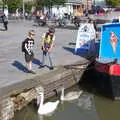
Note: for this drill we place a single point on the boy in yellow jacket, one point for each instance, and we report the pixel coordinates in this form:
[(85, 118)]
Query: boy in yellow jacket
[(47, 45)]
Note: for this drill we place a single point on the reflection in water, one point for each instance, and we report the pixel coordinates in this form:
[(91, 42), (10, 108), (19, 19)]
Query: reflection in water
[(82, 108), (107, 109), (70, 95), (86, 102), (72, 111), (87, 107)]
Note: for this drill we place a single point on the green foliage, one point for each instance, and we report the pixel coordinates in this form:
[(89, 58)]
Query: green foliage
[(58, 2), (39, 3), (48, 3), (13, 5), (28, 6), (113, 3), (4, 1)]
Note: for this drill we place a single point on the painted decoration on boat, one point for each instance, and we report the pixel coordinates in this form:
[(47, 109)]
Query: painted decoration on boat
[(85, 35), (110, 41)]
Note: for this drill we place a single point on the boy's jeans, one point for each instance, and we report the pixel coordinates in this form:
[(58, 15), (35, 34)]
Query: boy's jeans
[(45, 53)]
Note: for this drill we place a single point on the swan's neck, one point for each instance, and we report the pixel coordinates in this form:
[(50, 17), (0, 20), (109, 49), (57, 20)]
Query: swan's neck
[(62, 94), (41, 99)]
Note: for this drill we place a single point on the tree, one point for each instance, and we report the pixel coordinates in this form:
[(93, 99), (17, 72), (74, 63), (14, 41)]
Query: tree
[(4, 2), (113, 3), (28, 6), (13, 5), (39, 3), (48, 3)]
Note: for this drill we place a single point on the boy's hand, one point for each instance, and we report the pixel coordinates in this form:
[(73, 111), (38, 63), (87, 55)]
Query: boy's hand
[(42, 48), (49, 50)]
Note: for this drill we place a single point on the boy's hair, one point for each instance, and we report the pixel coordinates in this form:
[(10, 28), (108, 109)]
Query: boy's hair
[(31, 32), (51, 30)]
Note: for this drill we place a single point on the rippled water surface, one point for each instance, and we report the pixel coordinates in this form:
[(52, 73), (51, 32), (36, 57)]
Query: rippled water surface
[(80, 109), (87, 107)]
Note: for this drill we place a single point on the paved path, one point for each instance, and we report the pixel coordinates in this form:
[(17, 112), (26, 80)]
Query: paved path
[(12, 59)]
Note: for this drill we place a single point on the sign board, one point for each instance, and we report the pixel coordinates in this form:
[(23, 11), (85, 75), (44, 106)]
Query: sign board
[(110, 41), (86, 33)]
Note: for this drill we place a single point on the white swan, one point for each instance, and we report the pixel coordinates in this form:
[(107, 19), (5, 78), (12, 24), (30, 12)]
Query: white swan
[(70, 96), (48, 107)]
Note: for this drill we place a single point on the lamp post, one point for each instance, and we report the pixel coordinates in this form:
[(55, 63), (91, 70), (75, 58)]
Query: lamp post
[(3, 5), (23, 7), (109, 3), (87, 4)]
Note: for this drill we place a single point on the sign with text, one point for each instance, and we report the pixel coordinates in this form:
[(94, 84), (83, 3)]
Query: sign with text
[(110, 41), (86, 33)]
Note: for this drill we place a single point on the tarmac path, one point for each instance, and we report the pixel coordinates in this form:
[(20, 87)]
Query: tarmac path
[(12, 59)]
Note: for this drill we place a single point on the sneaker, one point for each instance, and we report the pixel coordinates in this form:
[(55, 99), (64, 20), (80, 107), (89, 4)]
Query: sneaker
[(41, 66), (30, 71), (51, 68)]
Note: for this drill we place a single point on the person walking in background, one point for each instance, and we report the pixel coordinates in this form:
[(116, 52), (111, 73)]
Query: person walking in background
[(5, 21), (86, 12), (47, 45), (27, 48)]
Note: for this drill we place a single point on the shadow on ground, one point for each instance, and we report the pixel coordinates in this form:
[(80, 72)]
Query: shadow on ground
[(36, 61), (39, 63), (19, 66), (83, 53), (87, 55), (22, 68), (69, 27), (2, 30)]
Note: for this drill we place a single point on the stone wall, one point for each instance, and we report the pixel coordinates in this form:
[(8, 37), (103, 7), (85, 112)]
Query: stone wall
[(6, 109), (64, 77)]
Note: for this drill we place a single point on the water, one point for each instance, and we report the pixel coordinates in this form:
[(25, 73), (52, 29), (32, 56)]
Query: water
[(87, 107), (82, 108), (107, 109)]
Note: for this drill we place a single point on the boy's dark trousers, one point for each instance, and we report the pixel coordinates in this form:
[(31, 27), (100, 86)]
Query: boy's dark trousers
[(5, 25)]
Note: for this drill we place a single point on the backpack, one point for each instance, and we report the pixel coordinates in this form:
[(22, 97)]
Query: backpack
[(23, 46)]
